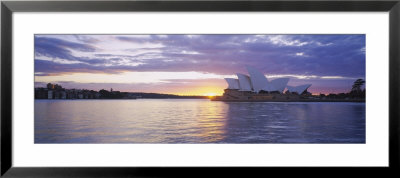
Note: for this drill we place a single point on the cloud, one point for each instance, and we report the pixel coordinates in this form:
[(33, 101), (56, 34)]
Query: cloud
[(320, 55)]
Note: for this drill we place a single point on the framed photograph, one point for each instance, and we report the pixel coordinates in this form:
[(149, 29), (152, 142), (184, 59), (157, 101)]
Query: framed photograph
[(142, 88)]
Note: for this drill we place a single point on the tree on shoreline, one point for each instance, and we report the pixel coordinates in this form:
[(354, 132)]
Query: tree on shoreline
[(356, 89)]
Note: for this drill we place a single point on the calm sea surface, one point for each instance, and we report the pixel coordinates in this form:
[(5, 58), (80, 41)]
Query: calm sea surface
[(197, 121)]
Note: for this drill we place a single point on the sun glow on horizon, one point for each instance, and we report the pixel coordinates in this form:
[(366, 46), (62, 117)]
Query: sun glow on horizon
[(209, 94)]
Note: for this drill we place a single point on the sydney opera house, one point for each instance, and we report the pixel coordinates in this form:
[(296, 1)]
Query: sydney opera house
[(256, 87)]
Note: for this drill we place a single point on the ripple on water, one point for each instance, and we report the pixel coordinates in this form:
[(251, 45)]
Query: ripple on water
[(197, 121)]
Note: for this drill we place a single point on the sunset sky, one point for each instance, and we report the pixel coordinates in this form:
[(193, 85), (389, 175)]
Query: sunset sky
[(196, 64)]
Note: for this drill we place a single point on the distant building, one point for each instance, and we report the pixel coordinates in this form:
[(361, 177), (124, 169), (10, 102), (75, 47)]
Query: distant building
[(41, 93), (50, 94), (63, 95), (55, 91), (56, 95)]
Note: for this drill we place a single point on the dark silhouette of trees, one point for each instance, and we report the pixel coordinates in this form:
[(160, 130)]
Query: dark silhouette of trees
[(356, 91), (357, 85), (104, 94)]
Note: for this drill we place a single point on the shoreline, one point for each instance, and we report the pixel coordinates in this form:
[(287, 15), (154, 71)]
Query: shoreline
[(289, 101), (222, 100), (118, 98)]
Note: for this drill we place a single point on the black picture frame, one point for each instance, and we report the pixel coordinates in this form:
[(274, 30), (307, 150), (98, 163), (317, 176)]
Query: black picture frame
[(8, 7)]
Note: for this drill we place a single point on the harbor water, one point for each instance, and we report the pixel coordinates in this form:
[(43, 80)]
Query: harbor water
[(197, 121)]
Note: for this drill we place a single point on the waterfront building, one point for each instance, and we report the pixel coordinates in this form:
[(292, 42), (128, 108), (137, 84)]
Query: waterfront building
[(63, 95), (56, 94), (257, 82), (50, 94), (97, 95), (257, 87), (41, 93), (55, 91), (261, 83)]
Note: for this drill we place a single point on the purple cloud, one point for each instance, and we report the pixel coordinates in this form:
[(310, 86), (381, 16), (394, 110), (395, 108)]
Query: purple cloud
[(223, 54), (319, 55)]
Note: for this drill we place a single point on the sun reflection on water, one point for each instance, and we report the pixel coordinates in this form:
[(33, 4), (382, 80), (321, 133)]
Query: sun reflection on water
[(196, 121), (130, 121), (212, 121)]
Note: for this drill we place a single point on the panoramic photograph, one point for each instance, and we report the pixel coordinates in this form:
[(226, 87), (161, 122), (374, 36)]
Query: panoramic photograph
[(200, 88)]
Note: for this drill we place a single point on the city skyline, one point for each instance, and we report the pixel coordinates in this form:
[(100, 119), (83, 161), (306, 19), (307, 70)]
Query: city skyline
[(196, 64)]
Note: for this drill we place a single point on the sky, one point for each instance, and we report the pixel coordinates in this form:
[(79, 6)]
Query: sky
[(197, 64)]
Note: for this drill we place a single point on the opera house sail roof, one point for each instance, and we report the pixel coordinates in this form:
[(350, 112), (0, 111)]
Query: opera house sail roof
[(244, 82), (298, 89), (232, 83), (278, 84), (256, 82), (258, 79)]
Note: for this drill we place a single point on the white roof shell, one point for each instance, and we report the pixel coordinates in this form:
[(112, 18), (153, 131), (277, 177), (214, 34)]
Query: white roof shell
[(258, 79), (278, 84), (298, 89), (244, 82), (232, 83), (260, 82)]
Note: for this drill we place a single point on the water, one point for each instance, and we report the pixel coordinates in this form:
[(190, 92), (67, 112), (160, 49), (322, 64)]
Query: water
[(197, 121)]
